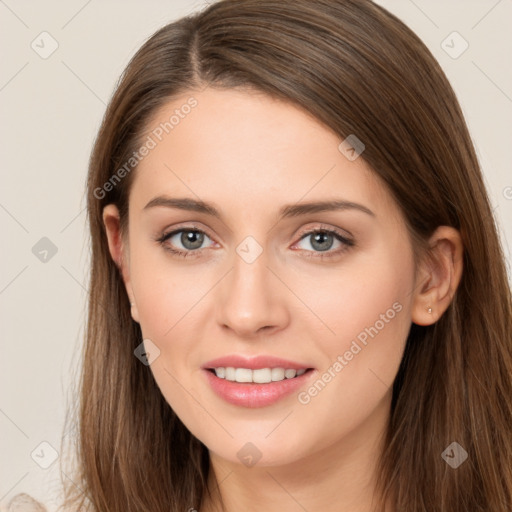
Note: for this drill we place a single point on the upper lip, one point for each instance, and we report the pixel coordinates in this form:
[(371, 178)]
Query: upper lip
[(254, 363)]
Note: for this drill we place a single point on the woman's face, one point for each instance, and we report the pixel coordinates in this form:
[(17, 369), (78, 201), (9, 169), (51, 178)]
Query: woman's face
[(257, 283)]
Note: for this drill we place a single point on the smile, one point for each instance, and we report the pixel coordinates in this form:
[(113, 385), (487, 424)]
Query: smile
[(259, 376)]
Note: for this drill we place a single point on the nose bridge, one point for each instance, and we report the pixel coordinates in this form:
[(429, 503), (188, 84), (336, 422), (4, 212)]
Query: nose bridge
[(251, 298)]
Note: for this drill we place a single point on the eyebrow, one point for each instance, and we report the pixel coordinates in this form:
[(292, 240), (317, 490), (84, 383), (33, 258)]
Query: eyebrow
[(287, 211)]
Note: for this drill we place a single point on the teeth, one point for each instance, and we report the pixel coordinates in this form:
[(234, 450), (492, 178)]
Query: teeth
[(277, 374), (260, 376), (230, 374), (289, 374), (243, 375)]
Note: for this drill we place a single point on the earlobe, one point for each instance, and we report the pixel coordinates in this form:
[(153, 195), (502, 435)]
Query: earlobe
[(134, 312), (440, 275)]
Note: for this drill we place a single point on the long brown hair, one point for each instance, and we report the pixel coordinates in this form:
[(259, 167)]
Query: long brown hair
[(359, 70)]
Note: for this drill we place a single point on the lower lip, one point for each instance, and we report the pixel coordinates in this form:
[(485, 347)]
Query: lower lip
[(247, 394)]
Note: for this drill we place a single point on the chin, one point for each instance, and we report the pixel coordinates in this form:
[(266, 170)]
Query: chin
[(259, 451)]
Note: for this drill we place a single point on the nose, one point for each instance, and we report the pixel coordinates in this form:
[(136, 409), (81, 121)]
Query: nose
[(252, 300)]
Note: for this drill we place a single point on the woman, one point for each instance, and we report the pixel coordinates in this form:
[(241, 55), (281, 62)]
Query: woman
[(298, 299)]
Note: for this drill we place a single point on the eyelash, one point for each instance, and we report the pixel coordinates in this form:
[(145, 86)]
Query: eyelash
[(347, 243)]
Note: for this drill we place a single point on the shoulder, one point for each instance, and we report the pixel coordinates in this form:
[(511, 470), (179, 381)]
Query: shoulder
[(23, 503)]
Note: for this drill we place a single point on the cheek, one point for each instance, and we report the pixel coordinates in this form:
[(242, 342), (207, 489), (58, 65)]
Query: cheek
[(165, 291), (367, 310), (364, 301), (166, 301)]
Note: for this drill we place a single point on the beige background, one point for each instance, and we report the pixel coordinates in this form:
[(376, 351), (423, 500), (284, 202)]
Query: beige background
[(51, 109)]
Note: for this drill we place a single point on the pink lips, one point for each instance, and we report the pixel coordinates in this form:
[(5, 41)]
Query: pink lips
[(249, 394)]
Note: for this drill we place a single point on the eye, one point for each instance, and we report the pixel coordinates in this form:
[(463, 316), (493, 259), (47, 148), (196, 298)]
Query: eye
[(184, 242), (322, 240)]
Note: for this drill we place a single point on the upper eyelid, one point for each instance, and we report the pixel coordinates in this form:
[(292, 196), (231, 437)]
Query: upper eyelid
[(323, 227), (167, 234)]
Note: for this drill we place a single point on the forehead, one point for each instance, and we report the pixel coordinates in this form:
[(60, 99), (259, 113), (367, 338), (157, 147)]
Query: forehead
[(248, 151)]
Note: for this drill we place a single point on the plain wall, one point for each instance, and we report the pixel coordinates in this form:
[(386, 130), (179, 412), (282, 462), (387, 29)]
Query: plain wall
[(51, 109)]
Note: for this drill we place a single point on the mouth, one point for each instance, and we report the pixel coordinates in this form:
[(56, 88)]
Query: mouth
[(254, 388)]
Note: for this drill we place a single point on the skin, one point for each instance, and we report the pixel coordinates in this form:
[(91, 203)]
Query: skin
[(250, 154)]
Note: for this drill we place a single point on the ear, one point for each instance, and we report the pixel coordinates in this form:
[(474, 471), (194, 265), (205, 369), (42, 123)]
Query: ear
[(438, 276), (119, 251)]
